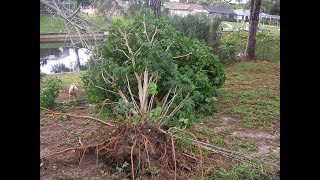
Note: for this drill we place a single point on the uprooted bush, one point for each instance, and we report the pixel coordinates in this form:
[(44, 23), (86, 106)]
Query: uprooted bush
[(154, 72)]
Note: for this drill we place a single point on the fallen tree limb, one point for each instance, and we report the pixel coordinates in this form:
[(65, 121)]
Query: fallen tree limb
[(66, 150), (219, 149), (226, 152), (80, 117), (222, 151)]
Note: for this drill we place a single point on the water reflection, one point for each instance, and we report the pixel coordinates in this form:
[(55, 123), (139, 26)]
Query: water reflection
[(63, 59)]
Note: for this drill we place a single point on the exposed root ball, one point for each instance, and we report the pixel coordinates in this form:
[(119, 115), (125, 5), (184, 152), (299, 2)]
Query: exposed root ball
[(146, 148)]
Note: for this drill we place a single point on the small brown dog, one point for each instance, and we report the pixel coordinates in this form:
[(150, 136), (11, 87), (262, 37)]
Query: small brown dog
[(73, 91)]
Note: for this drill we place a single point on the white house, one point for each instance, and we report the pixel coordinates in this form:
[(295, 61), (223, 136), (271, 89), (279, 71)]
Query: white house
[(242, 15), (183, 9), (269, 19)]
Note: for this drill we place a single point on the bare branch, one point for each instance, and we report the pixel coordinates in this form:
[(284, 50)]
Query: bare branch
[(74, 13), (181, 56), (150, 102), (103, 88), (132, 98), (59, 12), (105, 79), (144, 104), (165, 109), (139, 87), (80, 117), (154, 34), (145, 28), (179, 106), (117, 49), (169, 46), (125, 100)]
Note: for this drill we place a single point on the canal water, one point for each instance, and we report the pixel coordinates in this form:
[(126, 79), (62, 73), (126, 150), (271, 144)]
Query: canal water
[(62, 58)]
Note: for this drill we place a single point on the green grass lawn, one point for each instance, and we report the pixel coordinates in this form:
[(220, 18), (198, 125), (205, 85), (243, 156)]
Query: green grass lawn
[(235, 24), (55, 24), (273, 29), (68, 78), (50, 24), (251, 98), (53, 45), (98, 22), (251, 94), (224, 25)]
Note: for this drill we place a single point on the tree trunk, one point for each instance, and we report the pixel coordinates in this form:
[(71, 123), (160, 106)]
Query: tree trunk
[(156, 7), (253, 24), (78, 59)]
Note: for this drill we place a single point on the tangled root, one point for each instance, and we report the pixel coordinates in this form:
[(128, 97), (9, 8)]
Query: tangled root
[(142, 147)]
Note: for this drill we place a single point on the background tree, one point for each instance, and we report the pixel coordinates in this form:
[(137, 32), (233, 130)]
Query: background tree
[(253, 24), (155, 5), (203, 2), (270, 7), (275, 8)]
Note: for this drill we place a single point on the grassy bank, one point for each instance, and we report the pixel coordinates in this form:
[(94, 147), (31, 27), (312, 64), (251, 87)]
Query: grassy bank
[(55, 24), (50, 24)]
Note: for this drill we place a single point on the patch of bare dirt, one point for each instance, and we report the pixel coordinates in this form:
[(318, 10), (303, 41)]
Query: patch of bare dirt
[(255, 135), (266, 143), (266, 149), (59, 132), (227, 123), (227, 120)]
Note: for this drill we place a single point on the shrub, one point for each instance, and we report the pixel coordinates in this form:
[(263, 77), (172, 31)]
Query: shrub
[(50, 91), (199, 26), (233, 46), (268, 47), (146, 47)]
